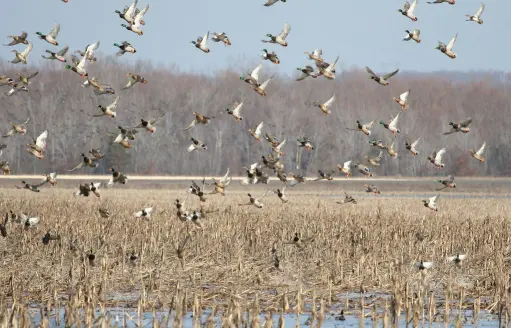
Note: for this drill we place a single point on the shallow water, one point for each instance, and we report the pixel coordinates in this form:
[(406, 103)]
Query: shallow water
[(127, 317)]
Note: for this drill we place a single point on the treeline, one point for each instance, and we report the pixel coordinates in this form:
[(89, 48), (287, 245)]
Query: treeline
[(57, 102)]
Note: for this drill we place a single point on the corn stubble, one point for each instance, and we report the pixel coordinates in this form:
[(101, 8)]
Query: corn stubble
[(242, 266)]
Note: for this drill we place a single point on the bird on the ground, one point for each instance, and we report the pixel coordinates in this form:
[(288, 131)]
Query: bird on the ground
[(144, 213), (423, 265)]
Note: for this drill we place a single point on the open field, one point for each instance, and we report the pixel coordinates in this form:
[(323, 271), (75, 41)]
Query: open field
[(227, 264)]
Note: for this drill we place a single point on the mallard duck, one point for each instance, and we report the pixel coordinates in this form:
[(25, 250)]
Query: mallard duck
[(96, 153), (447, 49), (135, 27), (117, 177), (403, 99), (436, 158), (345, 168), (281, 194), (315, 55), (325, 176), (281, 38), (304, 142), (256, 133), (325, 107), (272, 2), (236, 112), (329, 71), (108, 110), (22, 57), (297, 179), (195, 189), (4, 166), (253, 78), (392, 126), (104, 89), (299, 242), (281, 175), (460, 127), (447, 183), (38, 146), (89, 52), (51, 178), (260, 89), (391, 151), (412, 146), (51, 37), (372, 188), (383, 80), (451, 2), (134, 79), (479, 154), (202, 43), (122, 140), (378, 143), (477, 16), (128, 132), (271, 56), (271, 139), (408, 10), (104, 212), (366, 171), (255, 201), (306, 72), (431, 203), (423, 265), (27, 221), (457, 259), (16, 39), (199, 119), (31, 187), (375, 161), (78, 66), (221, 37), (125, 47), (365, 128), (86, 161), (347, 199), (60, 56), (128, 13), (144, 213), (86, 189), (415, 35), (221, 184), (15, 89), (196, 145), (149, 125), (278, 148), (5, 80), (91, 81)]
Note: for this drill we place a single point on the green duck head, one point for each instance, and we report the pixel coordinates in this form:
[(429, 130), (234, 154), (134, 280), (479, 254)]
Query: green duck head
[(124, 25), (48, 51), (451, 123), (68, 66), (117, 12), (381, 122), (39, 33), (269, 35), (116, 44)]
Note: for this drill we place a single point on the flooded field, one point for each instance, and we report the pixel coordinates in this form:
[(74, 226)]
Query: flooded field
[(242, 266)]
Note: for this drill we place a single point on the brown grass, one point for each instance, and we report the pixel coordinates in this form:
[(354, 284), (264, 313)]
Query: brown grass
[(368, 247)]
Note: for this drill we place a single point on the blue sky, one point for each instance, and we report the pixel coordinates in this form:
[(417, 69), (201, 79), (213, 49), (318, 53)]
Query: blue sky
[(361, 32)]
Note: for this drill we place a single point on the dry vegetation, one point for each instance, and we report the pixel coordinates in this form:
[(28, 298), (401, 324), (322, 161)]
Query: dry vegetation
[(228, 264), (57, 102)]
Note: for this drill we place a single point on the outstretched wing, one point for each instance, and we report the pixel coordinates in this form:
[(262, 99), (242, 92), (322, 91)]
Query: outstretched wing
[(404, 96), (255, 72), (370, 71), (236, 111), (414, 144), (27, 50), (467, 122), (259, 129), (191, 125), (393, 123), (438, 157), (41, 140), (330, 101), (64, 51), (391, 74), (204, 41), (451, 43), (55, 31), (481, 150), (285, 32), (480, 11), (79, 166)]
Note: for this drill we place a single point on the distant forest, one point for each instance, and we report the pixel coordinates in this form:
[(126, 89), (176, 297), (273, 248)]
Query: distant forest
[(57, 102)]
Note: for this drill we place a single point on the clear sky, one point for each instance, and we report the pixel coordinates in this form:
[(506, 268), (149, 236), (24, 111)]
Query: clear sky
[(361, 32)]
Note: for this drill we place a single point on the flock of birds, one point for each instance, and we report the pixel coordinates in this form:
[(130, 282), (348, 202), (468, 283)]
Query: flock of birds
[(256, 173)]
